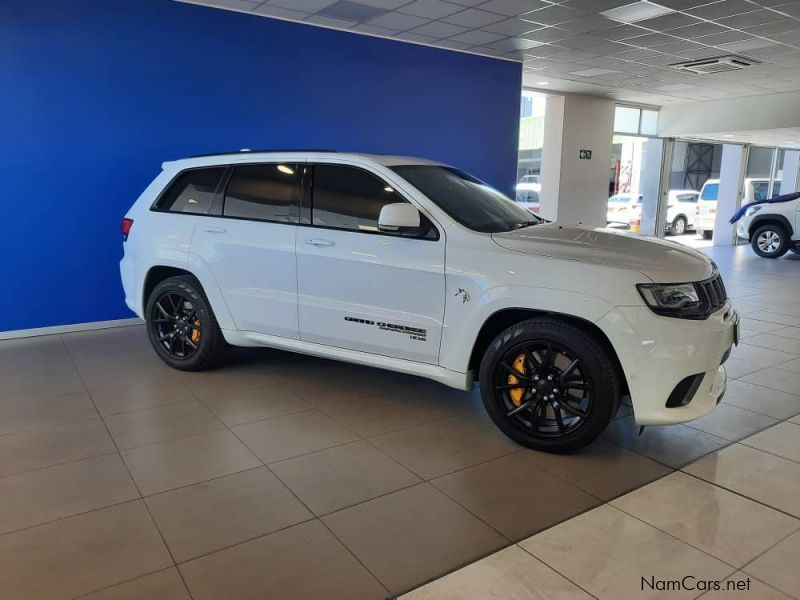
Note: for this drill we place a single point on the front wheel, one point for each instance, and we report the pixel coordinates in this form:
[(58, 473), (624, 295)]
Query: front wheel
[(182, 327), (770, 241), (549, 385)]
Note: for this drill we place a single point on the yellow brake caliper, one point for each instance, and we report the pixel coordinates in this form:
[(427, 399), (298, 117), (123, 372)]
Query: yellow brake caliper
[(516, 393), (196, 332)]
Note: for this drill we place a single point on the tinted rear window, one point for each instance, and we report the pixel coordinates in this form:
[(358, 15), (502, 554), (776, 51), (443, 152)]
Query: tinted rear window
[(266, 192), (710, 191), (191, 191)]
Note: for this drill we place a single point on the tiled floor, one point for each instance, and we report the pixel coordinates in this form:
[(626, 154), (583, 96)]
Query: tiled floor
[(282, 476)]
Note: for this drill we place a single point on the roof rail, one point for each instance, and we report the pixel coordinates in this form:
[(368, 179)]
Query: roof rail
[(250, 151)]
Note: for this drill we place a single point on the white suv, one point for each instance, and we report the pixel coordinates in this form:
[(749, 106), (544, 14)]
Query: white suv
[(772, 228), (417, 267)]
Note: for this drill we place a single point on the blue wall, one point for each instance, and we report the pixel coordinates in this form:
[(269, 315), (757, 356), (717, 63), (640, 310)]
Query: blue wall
[(96, 94)]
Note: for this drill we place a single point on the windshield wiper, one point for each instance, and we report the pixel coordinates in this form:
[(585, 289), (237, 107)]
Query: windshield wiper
[(524, 224)]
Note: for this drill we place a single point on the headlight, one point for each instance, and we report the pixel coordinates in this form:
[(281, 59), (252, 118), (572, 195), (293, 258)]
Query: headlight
[(670, 297), (752, 210)]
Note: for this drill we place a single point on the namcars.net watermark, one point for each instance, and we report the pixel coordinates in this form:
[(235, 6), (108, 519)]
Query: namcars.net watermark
[(692, 583)]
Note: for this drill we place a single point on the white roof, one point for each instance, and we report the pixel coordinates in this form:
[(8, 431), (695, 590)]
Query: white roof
[(296, 155)]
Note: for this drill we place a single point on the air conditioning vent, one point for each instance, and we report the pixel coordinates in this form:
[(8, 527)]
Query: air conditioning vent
[(720, 64)]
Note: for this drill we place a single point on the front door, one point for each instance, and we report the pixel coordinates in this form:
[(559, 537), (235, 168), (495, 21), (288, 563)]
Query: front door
[(250, 247), (362, 289)]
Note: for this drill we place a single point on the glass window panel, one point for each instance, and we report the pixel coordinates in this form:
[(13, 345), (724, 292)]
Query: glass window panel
[(626, 119), (649, 122)]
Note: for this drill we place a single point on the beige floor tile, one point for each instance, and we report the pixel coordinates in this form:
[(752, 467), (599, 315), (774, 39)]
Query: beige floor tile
[(441, 447), (778, 567), (782, 439), (741, 586), (339, 477), (374, 416), (246, 406), (673, 445), (208, 516), (795, 419), (792, 365), (731, 422), (603, 469), (775, 317), (775, 342), (788, 332), (610, 554), (304, 562), (48, 446), (515, 495), (30, 384), (149, 392), (411, 536), (777, 379), (80, 554), (758, 357), (229, 381), (161, 585), (169, 465), (721, 523), (293, 435), (764, 400), (758, 326), (54, 492), (737, 367), (511, 574), (24, 414), (766, 478), (160, 424), (447, 401)]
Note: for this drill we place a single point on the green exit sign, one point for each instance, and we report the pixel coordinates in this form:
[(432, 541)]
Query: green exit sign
[(585, 154)]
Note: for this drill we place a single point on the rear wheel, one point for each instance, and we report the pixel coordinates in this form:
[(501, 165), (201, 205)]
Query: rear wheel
[(678, 226), (770, 241), (549, 385), (182, 327)]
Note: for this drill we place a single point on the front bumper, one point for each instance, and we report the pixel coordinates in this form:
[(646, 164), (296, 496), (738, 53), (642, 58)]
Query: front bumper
[(657, 353)]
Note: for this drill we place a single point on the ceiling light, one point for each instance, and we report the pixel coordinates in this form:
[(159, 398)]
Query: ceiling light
[(727, 135), (389, 189), (542, 83), (792, 143), (285, 169), (637, 11)]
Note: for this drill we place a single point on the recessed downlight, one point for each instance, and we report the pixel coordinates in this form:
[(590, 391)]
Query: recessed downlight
[(542, 83), (285, 169)]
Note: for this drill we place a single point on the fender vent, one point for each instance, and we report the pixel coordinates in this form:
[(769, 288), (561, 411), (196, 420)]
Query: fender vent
[(720, 64)]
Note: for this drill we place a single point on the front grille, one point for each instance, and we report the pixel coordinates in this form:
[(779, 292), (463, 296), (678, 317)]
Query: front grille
[(713, 292)]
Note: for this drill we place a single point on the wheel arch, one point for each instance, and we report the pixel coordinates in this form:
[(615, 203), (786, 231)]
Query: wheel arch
[(506, 317), (773, 219)]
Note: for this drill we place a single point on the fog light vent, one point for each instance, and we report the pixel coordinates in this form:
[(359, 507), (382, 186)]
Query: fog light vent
[(684, 391)]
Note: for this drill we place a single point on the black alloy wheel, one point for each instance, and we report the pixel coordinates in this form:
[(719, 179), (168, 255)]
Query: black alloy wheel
[(182, 327), (549, 384)]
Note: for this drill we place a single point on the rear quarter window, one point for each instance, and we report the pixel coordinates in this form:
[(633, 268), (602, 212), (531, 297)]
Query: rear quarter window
[(191, 191)]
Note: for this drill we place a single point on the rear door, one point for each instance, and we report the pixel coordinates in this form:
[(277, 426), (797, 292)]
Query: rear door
[(249, 246), (360, 288)]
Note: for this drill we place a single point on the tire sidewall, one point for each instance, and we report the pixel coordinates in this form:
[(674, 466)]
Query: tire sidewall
[(594, 358), (675, 226)]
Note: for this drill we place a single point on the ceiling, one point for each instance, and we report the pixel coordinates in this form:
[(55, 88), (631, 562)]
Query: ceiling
[(787, 137), (618, 48)]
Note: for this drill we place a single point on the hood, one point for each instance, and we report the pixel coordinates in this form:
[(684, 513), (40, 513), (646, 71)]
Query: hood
[(660, 260)]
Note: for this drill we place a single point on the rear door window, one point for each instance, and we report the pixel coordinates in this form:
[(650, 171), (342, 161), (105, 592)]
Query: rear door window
[(265, 192), (191, 192)]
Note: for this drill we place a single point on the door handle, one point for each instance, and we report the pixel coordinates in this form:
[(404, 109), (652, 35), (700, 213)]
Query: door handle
[(320, 242), (213, 229)]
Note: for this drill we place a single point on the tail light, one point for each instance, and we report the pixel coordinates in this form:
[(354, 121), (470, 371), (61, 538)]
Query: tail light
[(125, 228)]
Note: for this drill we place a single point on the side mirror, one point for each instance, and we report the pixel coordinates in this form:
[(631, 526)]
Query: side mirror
[(399, 216)]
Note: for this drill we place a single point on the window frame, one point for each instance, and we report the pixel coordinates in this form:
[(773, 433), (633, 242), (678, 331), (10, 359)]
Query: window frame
[(218, 205), (168, 187), (307, 206)]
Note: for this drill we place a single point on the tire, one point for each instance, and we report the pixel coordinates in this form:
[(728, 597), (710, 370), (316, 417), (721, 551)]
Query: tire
[(182, 327), (678, 226), (770, 241), (576, 362)]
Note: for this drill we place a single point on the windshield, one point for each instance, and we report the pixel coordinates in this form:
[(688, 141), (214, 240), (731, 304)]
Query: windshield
[(468, 200), (710, 191)]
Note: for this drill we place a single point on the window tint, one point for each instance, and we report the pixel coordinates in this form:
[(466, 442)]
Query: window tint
[(192, 191), (710, 191), (349, 198), (686, 197), (269, 192)]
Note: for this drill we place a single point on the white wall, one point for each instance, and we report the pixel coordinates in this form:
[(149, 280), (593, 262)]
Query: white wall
[(730, 190), (776, 111), (575, 190)]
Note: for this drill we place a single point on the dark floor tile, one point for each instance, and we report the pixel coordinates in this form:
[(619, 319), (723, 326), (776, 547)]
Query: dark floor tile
[(304, 562), (413, 535), (339, 477), (162, 585), (515, 495)]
